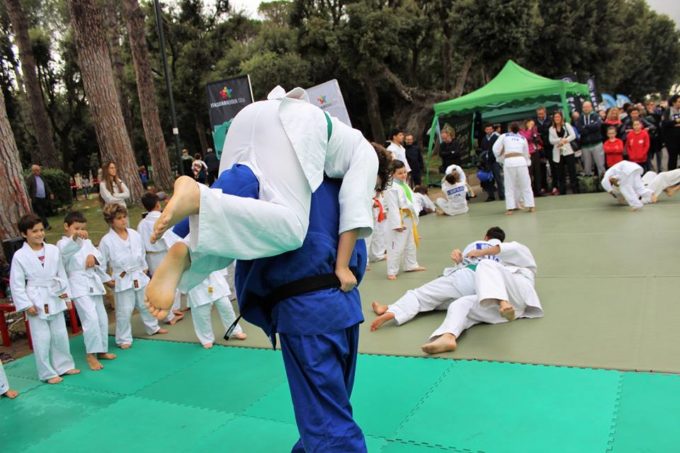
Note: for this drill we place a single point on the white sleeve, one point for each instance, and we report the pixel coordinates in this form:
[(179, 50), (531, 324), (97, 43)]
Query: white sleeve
[(525, 150), (105, 194), (68, 248), (628, 192), (17, 283), (498, 146), (393, 211), (552, 136), (606, 185)]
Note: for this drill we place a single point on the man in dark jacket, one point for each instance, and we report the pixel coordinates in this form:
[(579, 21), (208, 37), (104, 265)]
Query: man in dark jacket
[(653, 115), (670, 122), (213, 164), (487, 161), (40, 194), (543, 124), (589, 125), (415, 159), (449, 151)]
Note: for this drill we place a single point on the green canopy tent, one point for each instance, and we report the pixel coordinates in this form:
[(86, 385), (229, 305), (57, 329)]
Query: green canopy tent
[(513, 91)]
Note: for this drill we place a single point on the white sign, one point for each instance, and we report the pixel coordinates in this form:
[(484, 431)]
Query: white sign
[(329, 97)]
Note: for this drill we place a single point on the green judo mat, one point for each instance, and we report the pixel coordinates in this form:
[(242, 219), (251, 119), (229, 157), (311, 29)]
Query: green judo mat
[(167, 396)]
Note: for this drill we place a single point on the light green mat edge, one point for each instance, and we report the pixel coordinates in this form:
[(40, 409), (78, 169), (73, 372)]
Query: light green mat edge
[(165, 396), (608, 279)]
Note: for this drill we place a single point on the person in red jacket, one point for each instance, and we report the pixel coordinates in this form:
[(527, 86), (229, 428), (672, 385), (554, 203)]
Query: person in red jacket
[(637, 145), (613, 147)]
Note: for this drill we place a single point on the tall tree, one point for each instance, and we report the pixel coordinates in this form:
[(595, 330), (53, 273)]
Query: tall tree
[(100, 88), (147, 96), (46, 154), (13, 199)]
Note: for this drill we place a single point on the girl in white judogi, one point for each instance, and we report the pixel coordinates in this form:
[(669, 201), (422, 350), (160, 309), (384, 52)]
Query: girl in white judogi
[(86, 276), (456, 282), (666, 181), (402, 221), (512, 151), (455, 202), (40, 288), (214, 290), (505, 291), (375, 243), (4, 385), (624, 180), (123, 252)]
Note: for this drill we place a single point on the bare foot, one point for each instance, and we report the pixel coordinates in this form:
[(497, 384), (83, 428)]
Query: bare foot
[(670, 191), (416, 269), (160, 292), (11, 394), (508, 212), (93, 363), (654, 198), (239, 336), (72, 371), (106, 356), (178, 312), (208, 346), (176, 319), (125, 346), (445, 343), (160, 331), (391, 277), (55, 380), (380, 320), (185, 201), (506, 310), (378, 308), (532, 209)]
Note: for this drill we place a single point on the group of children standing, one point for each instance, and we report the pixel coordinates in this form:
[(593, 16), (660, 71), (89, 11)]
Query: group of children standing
[(46, 279)]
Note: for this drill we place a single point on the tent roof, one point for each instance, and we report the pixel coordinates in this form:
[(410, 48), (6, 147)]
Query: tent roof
[(512, 84)]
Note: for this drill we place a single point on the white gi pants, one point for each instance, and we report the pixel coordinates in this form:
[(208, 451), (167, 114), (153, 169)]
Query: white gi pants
[(495, 282), (659, 182), (517, 187), (50, 346), (401, 247), (201, 317), (590, 154), (634, 191), (126, 301), (4, 383), (435, 295), (95, 323), (449, 208), (375, 243)]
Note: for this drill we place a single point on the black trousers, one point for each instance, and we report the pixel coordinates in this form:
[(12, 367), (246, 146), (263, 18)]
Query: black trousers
[(537, 171), (567, 165), (41, 208)]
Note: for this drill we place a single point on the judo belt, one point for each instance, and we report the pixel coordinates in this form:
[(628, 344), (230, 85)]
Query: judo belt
[(292, 289), (509, 155), (416, 236)]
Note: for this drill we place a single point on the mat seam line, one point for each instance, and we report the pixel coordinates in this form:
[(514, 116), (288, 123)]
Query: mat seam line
[(611, 438)]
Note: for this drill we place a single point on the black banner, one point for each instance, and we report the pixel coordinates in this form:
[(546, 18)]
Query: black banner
[(225, 99)]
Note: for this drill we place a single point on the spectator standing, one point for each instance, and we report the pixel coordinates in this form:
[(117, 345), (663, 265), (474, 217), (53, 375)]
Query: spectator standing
[(395, 145), (637, 145), (449, 151), (40, 194), (533, 138), (613, 148), (86, 184), (671, 131), (652, 115), (561, 136), (213, 164), (590, 126), (487, 162), (187, 160), (74, 187), (414, 157), (144, 176), (111, 188), (199, 169), (627, 123), (614, 121), (543, 124)]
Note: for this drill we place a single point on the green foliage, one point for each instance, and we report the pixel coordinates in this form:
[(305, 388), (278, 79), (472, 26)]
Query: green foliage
[(58, 180), (269, 69)]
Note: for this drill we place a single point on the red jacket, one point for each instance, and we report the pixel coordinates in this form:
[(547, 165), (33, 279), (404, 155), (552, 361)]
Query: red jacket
[(637, 146), (613, 151)]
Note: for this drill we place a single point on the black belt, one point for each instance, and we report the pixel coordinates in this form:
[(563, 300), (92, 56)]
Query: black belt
[(291, 289)]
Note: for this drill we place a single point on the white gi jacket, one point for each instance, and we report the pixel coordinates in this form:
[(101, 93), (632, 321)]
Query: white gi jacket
[(399, 153), (396, 201), (209, 290), (461, 174), (155, 252), (511, 143), (126, 260), (621, 171), (35, 285), (83, 281)]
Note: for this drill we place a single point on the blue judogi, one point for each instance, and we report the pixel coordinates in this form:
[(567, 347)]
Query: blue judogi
[(319, 330)]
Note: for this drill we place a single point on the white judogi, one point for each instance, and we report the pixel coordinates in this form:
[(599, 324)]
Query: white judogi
[(87, 291), (401, 245), (458, 169), (375, 243), (399, 153), (284, 141), (126, 260), (631, 186), (212, 290), (661, 181), (515, 169), (40, 285), (455, 202), (154, 253), (4, 384), (438, 294), (511, 279), (422, 202)]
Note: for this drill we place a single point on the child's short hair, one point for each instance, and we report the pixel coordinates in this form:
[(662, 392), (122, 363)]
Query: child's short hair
[(396, 165), (452, 177), (113, 210), (149, 201), (496, 233), (28, 221), (73, 217), (420, 189)]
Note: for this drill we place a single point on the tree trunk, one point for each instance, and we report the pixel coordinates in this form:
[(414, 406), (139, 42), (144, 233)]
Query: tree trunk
[(13, 198), (147, 97), (373, 110), (46, 154), (100, 88), (462, 77), (200, 130)]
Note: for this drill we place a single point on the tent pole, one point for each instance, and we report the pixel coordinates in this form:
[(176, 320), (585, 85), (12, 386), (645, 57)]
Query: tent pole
[(430, 148), (565, 107), (472, 134)]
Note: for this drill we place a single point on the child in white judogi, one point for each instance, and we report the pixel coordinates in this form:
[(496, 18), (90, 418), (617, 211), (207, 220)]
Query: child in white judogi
[(4, 385), (214, 290), (454, 190), (123, 253), (423, 204), (82, 262), (375, 243), (456, 282), (154, 253), (40, 288), (666, 181), (505, 291), (624, 180), (402, 221), (512, 151)]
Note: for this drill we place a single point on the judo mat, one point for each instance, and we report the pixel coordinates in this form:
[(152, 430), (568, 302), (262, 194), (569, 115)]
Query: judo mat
[(608, 279), (168, 396)]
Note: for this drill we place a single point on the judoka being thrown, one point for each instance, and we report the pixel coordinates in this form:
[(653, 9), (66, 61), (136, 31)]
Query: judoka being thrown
[(293, 229)]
